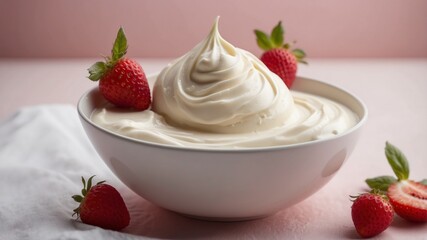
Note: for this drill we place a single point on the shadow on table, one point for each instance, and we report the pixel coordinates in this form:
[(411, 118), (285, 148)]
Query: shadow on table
[(401, 223), (149, 220)]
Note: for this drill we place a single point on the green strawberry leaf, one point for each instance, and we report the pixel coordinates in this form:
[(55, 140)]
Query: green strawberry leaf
[(76, 212), (84, 182), (298, 53), (77, 198), (381, 183), (101, 182), (397, 161), (95, 73), (120, 45), (424, 182), (277, 35), (89, 183), (263, 40)]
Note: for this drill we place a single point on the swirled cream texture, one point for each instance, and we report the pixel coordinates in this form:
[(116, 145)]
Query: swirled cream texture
[(220, 96), (221, 89)]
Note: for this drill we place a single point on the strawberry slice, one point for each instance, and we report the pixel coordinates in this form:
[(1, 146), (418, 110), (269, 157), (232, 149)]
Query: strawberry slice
[(409, 200)]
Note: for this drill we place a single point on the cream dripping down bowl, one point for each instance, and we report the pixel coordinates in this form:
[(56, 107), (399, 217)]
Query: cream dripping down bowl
[(195, 155)]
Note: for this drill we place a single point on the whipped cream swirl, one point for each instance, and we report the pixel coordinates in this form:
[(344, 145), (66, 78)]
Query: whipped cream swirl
[(219, 88)]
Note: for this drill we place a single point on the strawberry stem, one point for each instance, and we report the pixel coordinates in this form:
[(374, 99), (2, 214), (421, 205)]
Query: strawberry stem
[(120, 46), (277, 40), (86, 188)]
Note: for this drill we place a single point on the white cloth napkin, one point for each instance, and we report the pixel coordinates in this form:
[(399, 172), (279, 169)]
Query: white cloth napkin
[(44, 152)]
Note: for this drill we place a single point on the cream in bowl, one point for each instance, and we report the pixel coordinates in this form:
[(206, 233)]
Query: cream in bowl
[(220, 96), (225, 139)]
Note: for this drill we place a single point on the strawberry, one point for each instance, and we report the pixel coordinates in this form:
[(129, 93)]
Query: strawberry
[(101, 205), (371, 213), (122, 81), (408, 198), (277, 56)]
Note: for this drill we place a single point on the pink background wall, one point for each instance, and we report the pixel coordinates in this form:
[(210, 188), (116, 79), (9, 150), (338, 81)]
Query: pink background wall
[(160, 28)]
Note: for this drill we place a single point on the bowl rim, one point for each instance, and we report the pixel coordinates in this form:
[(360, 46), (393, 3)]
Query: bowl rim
[(361, 122)]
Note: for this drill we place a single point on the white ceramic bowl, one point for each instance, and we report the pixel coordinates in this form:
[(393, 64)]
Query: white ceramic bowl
[(225, 184)]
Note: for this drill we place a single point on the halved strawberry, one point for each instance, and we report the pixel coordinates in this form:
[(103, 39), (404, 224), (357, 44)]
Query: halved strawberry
[(409, 200)]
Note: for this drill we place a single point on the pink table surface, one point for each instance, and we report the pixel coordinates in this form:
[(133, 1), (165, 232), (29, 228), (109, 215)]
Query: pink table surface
[(395, 92)]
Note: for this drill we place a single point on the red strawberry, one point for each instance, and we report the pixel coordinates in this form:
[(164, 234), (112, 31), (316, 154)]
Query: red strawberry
[(102, 206), (371, 214), (122, 81), (408, 198), (277, 56)]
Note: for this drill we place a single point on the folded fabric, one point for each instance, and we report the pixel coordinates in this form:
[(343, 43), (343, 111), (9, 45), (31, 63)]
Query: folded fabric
[(43, 154)]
